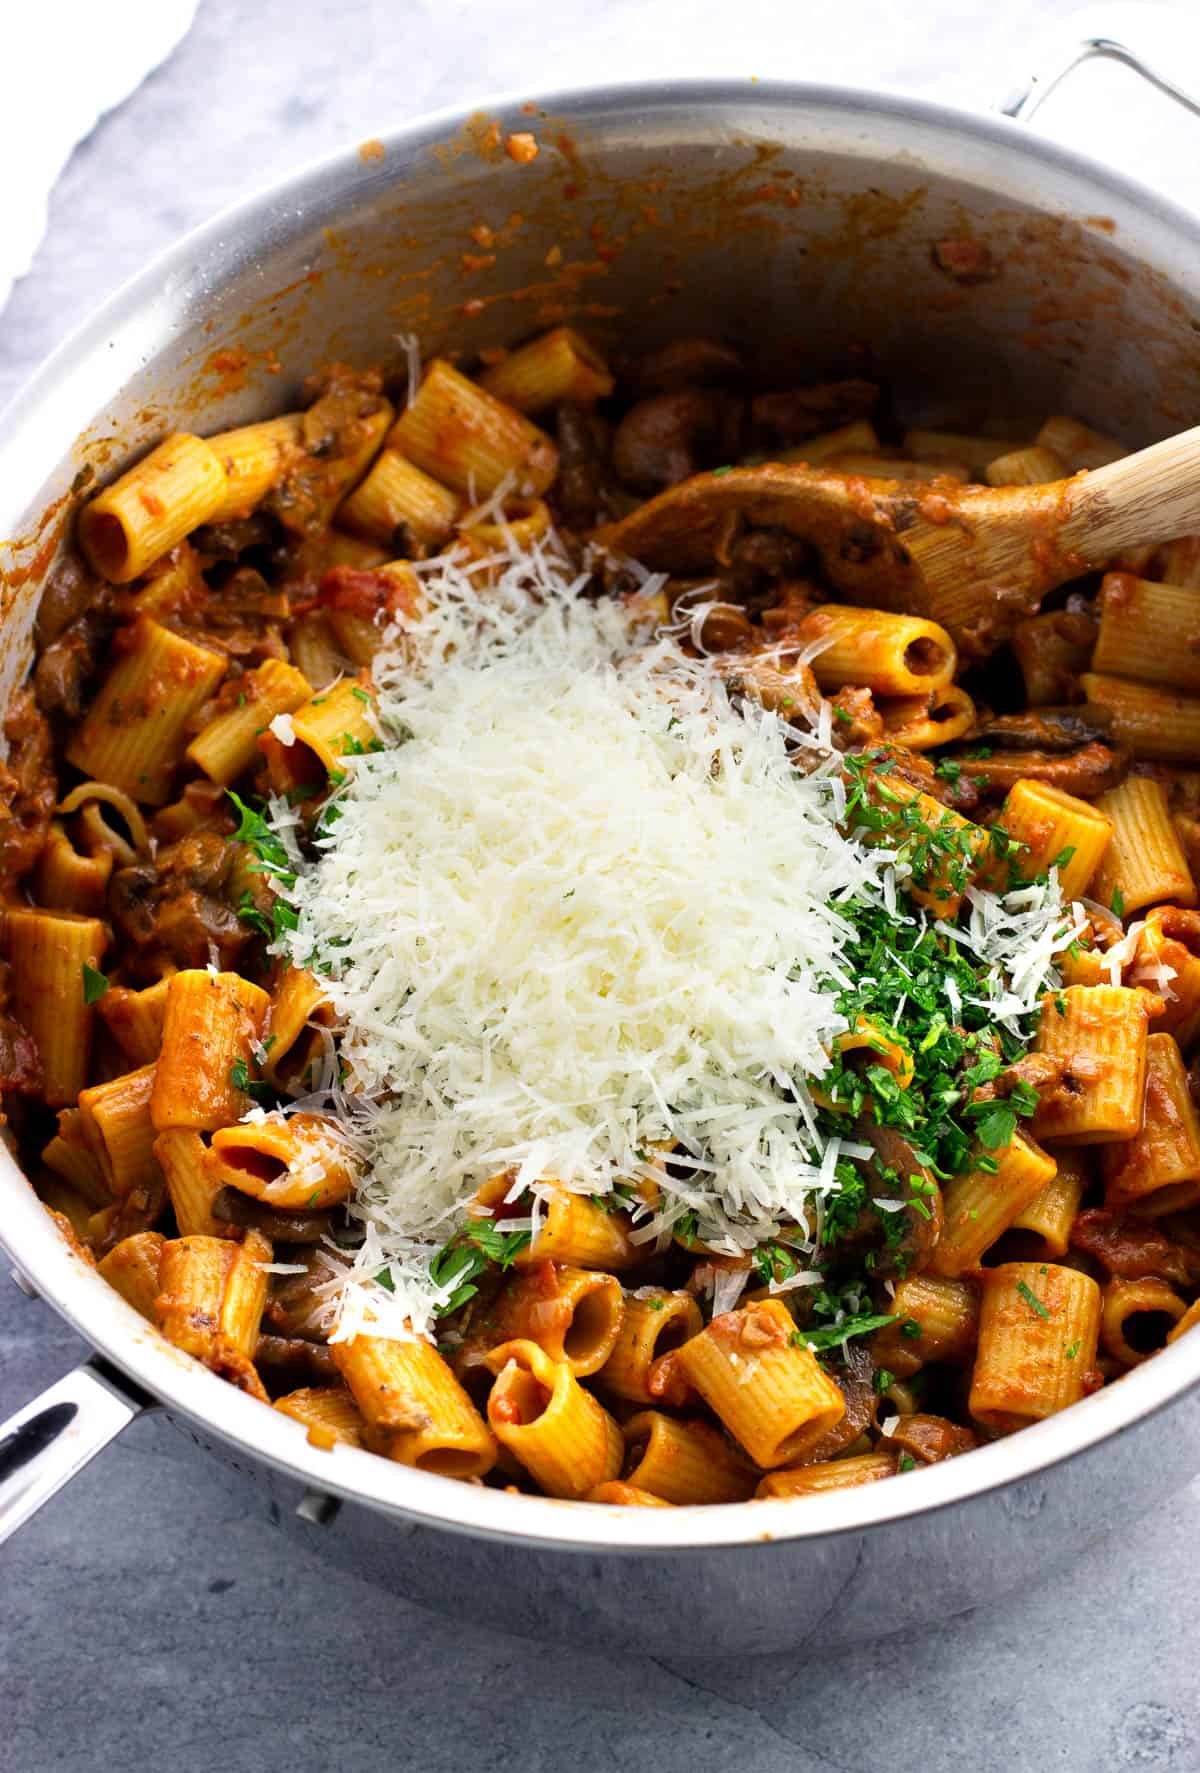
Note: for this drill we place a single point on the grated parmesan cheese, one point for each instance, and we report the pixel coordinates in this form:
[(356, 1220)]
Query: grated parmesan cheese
[(580, 906), (411, 346)]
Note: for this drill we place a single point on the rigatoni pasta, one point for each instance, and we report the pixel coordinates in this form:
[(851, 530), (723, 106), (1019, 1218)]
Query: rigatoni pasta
[(165, 496), (1159, 1168), (133, 735), (980, 1204), (540, 1413), (210, 1026), (464, 437), (50, 955), (556, 366), (1099, 1032), (1053, 829), (756, 1372), (1039, 1327), (415, 1410), (892, 655), (643, 1232), (1144, 864), (226, 747)]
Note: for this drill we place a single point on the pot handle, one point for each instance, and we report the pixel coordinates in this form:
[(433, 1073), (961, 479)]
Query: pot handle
[(46, 1443), (1156, 41)]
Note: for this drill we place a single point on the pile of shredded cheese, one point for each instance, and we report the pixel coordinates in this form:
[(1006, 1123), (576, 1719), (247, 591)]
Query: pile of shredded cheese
[(578, 907)]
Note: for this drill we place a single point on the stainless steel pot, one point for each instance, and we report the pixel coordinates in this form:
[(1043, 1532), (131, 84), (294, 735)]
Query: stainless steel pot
[(802, 221)]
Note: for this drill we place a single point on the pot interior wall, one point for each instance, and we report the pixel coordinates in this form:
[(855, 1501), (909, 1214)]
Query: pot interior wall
[(801, 229)]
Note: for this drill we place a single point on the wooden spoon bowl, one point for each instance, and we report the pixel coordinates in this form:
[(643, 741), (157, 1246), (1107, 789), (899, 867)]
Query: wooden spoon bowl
[(974, 558)]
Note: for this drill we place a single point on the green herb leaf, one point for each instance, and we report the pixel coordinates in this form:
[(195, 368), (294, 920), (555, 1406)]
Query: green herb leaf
[(996, 1126), (94, 984), (832, 1335), (1031, 1299), (460, 1263)]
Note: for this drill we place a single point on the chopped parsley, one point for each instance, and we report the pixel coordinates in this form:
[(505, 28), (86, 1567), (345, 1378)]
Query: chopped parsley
[(240, 1078), (902, 975), (1031, 1299), (460, 1263), (774, 1262), (832, 1335), (94, 984)]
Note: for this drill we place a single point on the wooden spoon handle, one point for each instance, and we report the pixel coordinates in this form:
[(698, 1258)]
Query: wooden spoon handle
[(1152, 496)]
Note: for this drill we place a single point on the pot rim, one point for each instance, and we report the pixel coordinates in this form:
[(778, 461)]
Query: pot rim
[(35, 417)]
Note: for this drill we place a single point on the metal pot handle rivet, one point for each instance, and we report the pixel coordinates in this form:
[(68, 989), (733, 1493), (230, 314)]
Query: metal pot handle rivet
[(317, 1508)]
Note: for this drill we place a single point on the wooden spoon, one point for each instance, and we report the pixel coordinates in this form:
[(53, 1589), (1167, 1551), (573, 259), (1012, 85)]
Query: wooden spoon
[(975, 558)]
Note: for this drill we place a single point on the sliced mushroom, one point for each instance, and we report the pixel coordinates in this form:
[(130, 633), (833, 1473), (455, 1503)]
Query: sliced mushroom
[(584, 491), (232, 1207), (1053, 730), (784, 686), (686, 363), (1086, 772), (792, 415), (1131, 1248), (853, 1372), (928, 1438), (670, 437)]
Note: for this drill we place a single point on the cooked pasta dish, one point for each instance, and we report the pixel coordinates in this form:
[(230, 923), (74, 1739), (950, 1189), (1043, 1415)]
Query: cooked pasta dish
[(561, 1025)]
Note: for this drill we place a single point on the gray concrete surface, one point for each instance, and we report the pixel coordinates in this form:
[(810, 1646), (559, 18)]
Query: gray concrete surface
[(148, 1620)]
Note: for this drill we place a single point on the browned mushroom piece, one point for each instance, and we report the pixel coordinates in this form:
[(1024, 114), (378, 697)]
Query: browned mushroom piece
[(294, 1307), (28, 788), (1132, 1248), (915, 1227), (1057, 730), (853, 1372), (585, 491), (685, 363), (857, 723), (928, 1438), (285, 1363), (1054, 649), (1086, 772), (183, 906), (793, 415), (669, 437), (73, 621), (1067, 747), (231, 1207), (784, 685)]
